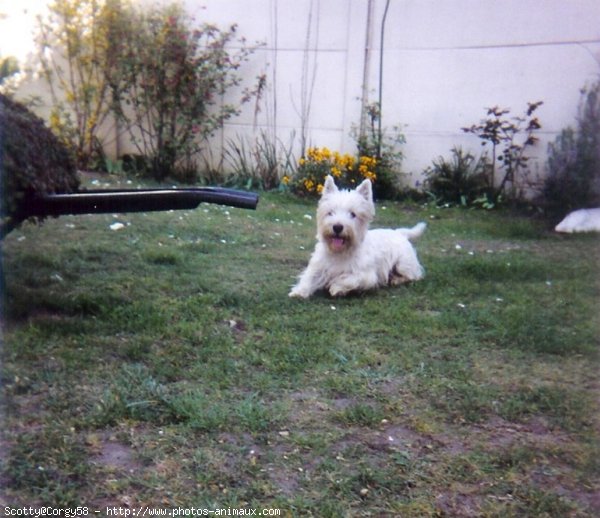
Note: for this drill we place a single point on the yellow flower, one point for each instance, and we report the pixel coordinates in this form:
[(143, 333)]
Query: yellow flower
[(368, 161), (309, 185), (301, 161), (55, 123), (314, 153), (349, 161), (285, 180), (91, 123), (336, 171), (319, 188)]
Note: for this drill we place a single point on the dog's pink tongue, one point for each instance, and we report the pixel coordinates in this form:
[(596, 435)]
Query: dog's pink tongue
[(337, 243)]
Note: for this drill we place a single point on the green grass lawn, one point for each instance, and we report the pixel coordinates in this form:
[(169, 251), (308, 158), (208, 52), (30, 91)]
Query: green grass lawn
[(164, 365)]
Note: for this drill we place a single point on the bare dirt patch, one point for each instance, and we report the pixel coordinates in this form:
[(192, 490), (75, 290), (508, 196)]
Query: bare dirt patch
[(108, 453)]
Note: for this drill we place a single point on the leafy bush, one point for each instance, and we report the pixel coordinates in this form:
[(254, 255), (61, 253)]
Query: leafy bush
[(168, 84), (149, 66), (509, 138), (318, 163), (136, 165), (463, 180), (573, 179), (32, 161), (384, 145), (83, 38)]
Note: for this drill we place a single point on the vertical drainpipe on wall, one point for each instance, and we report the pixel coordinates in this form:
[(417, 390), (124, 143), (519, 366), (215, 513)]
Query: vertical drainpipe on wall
[(364, 102), (275, 46), (381, 45)]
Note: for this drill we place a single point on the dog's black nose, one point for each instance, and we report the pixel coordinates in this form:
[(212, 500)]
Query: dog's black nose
[(338, 228)]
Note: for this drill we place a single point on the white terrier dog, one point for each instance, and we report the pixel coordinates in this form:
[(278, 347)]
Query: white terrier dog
[(349, 257)]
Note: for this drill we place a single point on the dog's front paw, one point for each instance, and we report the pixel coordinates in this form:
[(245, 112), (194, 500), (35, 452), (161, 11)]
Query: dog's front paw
[(297, 292), (337, 290)]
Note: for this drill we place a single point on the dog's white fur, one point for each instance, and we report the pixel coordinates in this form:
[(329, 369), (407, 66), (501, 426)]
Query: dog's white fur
[(582, 220), (348, 257)]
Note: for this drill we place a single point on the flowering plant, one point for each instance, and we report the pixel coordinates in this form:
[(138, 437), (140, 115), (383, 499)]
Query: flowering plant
[(318, 163)]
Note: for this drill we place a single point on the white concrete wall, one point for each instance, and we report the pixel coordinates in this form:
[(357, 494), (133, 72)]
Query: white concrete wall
[(445, 61)]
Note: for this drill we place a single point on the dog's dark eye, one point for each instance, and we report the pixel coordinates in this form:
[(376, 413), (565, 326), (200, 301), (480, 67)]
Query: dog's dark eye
[(352, 215)]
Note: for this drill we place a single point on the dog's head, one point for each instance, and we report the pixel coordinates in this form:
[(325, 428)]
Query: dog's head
[(343, 217)]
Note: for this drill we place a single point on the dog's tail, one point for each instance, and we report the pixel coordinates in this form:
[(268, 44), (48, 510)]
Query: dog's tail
[(414, 232)]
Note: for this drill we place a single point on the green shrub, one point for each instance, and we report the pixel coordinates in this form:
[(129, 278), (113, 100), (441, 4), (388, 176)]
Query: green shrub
[(136, 165), (387, 165), (161, 74), (32, 161), (509, 139), (172, 77), (384, 145), (462, 180), (573, 179)]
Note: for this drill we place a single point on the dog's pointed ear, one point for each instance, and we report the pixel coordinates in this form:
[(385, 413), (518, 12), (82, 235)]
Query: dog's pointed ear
[(330, 187), (365, 190)]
